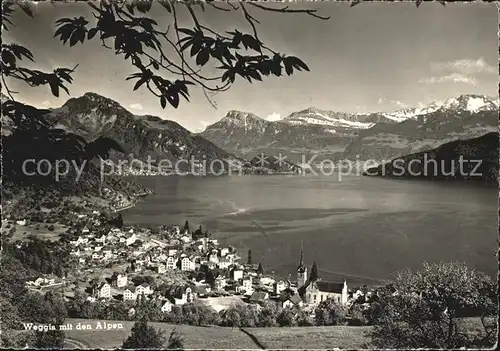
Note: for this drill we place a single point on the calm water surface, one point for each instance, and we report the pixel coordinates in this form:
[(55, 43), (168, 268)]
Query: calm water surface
[(360, 228)]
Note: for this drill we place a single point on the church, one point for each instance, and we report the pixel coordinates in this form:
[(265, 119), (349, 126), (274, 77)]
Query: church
[(313, 290)]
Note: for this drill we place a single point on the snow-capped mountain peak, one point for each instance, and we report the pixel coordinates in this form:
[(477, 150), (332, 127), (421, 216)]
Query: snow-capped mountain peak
[(466, 102), (313, 115), (470, 102)]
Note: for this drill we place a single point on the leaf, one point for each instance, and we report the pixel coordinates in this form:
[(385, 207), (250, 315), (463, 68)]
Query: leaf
[(163, 101), (355, 2), (296, 62), (187, 31), (288, 67), (255, 75), (139, 83), (186, 44), (92, 32), (143, 6), (25, 6), (275, 68), (54, 87), (173, 100), (418, 3), (81, 35), (196, 47), (202, 57), (250, 42), (166, 5), (73, 39)]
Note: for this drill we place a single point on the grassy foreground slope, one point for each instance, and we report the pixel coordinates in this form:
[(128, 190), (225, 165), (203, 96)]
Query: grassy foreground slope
[(210, 338), (230, 338)]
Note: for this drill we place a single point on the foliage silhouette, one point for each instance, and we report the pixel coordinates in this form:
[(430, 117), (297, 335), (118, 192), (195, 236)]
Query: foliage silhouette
[(427, 306)]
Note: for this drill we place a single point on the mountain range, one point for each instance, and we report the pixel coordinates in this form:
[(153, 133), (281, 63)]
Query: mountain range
[(241, 136), (379, 136), (92, 116)]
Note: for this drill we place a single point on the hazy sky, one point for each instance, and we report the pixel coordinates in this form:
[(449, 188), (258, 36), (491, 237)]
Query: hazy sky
[(372, 57)]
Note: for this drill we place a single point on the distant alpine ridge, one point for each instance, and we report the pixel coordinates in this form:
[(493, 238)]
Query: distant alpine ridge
[(380, 135), (471, 159)]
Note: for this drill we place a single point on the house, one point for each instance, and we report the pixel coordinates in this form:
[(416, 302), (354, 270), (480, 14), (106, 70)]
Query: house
[(131, 239), (187, 264), (279, 286), (220, 283), (236, 274), (101, 239), (39, 281), (294, 301), (144, 288), (119, 280), (224, 263), (172, 252), (246, 285), (171, 262), (259, 297), (183, 294), (161, 268), (186, 239), (167, 306), (103, 291), (213, 258), (266, 280), (128, 295), (223, 251)]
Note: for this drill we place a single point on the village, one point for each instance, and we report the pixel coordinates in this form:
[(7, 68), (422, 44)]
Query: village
[(176, 266)]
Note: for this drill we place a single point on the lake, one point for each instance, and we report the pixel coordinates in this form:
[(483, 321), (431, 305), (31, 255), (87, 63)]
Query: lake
[(360, 228)]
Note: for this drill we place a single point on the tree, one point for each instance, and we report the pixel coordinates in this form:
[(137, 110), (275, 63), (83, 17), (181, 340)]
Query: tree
[(186, 227), (52, 339), (427, 304), (238, 315), (303, 319), (249, 260), (314, 272), (143, 336), (267, 315), (329, 312), (210, 278), (260, 269), (286, 318), (175, 341)]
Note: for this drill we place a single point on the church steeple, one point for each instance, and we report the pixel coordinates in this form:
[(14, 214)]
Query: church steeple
[(301, 266), (301, 269)]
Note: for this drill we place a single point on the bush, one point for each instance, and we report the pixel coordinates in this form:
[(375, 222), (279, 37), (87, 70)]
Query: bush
[(357, 316), (329, 312), (303, 319), (286, 318), (238, 315)]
